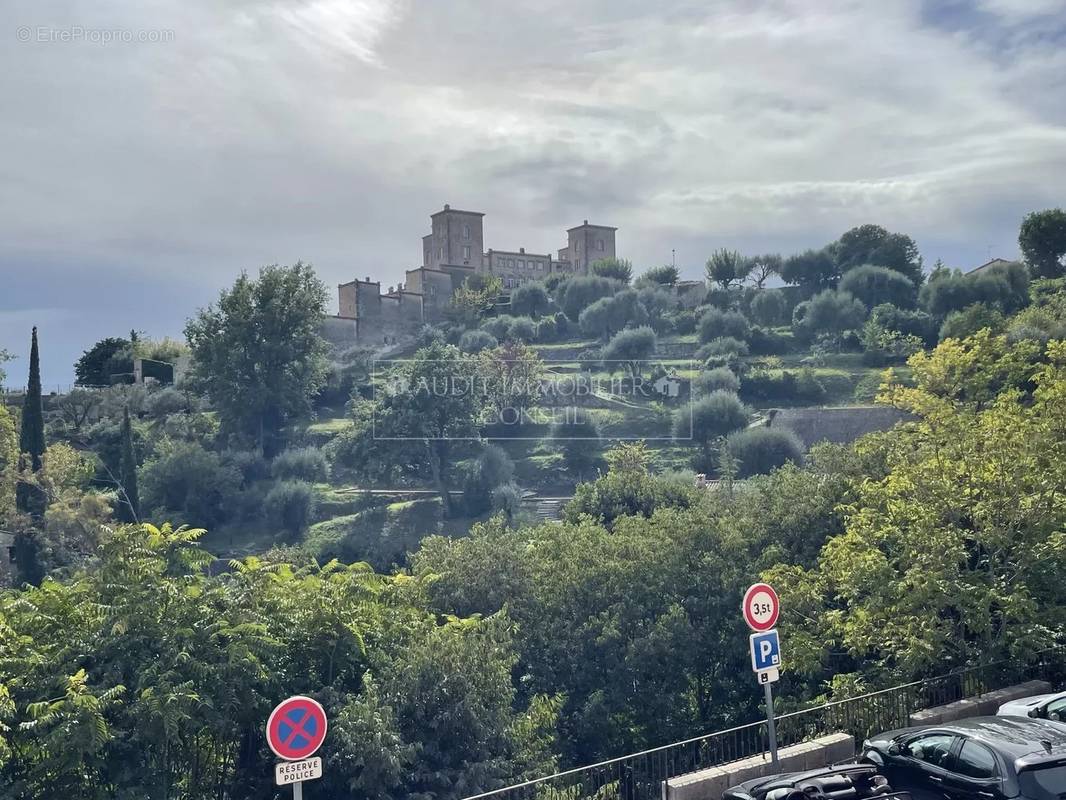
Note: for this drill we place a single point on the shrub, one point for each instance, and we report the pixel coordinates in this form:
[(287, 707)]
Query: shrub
[(531, 299), (769, 307), (522, 329), (761, 450), (476, 341), (547, 330), (723, 348), (708, 418), (685, 322), (578, 441), (609, 315), (766, 342), (786, 388), (492, 468), (167, 401), (498, 326), (507, 500), (909, 323), (875, 285), (961, 324), (303, 464), (719, 378), (189, 484), (715, 324), (630, 346), (1005, 288), (291, 505), (827, 312)]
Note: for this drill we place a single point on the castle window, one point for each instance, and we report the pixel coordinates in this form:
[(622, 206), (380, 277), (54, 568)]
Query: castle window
[(440, 253), (466, 231), (521, 264), (599, 244), (466, 252)]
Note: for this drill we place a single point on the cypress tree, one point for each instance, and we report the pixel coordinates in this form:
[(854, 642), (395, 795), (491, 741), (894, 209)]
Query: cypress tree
[(31, 436), (129, 501)]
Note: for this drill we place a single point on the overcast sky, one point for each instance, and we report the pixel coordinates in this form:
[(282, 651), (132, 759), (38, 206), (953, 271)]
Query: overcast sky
[(138, 178)]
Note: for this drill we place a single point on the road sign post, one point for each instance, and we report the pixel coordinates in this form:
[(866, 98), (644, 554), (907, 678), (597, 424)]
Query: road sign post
[(761, 608), (295, 729)]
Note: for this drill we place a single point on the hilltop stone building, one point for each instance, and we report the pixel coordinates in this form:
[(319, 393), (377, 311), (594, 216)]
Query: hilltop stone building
[(452, 251)]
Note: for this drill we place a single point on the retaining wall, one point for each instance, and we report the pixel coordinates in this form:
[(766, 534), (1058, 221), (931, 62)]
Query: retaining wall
[(981, 706), (710, 784)]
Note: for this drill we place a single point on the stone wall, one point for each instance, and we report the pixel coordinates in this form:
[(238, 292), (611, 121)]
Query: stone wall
[(711, 784), (836, 425), (984, 705)]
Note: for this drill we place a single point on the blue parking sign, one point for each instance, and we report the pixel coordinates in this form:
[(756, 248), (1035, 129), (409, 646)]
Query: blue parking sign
[(765, 651)]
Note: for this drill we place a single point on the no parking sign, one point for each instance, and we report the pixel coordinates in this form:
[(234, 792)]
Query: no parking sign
[(295, 729)]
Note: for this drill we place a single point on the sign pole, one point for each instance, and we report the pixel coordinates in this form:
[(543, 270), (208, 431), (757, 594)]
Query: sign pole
[(771, 730), (298, 787)]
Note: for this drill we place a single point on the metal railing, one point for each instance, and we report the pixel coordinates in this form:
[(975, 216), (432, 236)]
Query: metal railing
[(639, 776)]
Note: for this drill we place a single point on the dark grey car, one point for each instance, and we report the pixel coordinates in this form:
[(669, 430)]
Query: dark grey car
[(982, 758)]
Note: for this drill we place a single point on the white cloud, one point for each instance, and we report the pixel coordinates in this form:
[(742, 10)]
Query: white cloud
[(329, 130)]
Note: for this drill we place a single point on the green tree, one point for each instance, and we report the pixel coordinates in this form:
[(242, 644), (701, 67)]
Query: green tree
[(666, 275), (579, 293), (762, 449), (831, 312), (1042, 238), (111, 356), (473, 300), (434, 403), (769, 307), (960, 324), (291, 504), (531, 299), (872, 244), (763, 268), (129, 503), (947, 559), (577, 439), (711, 417), (715, 324), (876, 285), (728, 268), (814, 270), (257, 352), (630, 348), (31, 437), (617, 269)]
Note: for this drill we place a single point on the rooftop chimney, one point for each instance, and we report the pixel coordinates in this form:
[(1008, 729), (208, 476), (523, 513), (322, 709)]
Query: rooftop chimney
[(447, 207), (586, 221)]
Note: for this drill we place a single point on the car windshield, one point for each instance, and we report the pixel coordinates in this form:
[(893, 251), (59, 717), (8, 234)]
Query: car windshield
[(1044, 783)]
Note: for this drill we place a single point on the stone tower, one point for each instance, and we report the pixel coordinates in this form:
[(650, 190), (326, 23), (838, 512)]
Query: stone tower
[(457, 239)]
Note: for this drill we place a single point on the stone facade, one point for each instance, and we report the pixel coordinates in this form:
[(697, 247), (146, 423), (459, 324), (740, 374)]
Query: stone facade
[(452, 252)]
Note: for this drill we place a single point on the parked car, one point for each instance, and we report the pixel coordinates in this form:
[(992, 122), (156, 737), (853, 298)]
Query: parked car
[(849, 781), (1045, 706), (981, 757)]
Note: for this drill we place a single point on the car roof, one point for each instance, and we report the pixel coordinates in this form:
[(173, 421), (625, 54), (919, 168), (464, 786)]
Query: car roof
[(1016, 737)]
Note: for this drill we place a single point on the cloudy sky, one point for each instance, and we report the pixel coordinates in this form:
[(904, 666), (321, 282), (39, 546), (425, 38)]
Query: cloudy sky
[(139, 177)]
